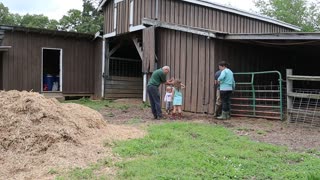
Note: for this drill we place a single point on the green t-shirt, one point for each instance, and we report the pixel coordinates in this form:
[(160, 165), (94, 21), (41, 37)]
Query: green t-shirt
[(157, 78)]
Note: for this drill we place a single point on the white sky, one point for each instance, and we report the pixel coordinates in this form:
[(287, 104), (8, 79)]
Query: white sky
[(55, 9)]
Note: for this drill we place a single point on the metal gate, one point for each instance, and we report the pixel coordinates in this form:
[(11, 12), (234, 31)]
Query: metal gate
[(258, 95)]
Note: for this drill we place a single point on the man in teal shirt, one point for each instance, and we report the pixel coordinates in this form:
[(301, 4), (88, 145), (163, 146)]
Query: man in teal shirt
[(227, 85), (158, 77)]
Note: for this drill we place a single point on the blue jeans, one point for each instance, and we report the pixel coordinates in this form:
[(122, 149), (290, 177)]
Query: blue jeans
[(226, 101), (154, 97)]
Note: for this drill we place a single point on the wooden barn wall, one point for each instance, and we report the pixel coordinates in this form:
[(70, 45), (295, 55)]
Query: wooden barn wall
[(117, 87), (22, 63), (184, 13), (143, 9), (108, 13), (189, 14), (191, 58), (97, 68), (123, 10)]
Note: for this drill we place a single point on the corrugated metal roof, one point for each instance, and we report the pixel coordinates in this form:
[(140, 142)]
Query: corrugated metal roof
[(231, 10), (45, 31)]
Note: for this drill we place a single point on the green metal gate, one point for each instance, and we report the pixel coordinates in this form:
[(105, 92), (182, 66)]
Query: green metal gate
[(258, 95)]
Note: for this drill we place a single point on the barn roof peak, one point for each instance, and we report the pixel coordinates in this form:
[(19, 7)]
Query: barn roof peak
[(230, 9)]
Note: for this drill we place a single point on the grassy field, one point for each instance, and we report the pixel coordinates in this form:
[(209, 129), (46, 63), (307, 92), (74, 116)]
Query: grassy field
[(199, 151), (181, 150)]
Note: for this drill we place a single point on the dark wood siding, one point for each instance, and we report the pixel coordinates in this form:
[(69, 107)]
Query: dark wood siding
[(123, 14), (22, 63), (194, 59), (184, 13), (97, 68), (148, 62), (191, 58), (117, 87), (109, 17), (143, 9)]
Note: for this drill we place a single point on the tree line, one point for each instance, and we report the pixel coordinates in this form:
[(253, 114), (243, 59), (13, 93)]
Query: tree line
[(89, 20), (302, 13)]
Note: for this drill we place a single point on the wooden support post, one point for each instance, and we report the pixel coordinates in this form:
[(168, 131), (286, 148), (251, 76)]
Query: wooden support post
[(289, 91), (138, 47), (107, 63)]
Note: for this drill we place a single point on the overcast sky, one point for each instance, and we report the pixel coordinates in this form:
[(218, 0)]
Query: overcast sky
[(55, 9)]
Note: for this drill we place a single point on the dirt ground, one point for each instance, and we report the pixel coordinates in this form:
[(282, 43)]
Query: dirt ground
[(69, 136), (293, 136)]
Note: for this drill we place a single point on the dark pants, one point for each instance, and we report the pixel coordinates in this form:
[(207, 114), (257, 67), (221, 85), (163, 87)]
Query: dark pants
[(226, 100), (154, 97)]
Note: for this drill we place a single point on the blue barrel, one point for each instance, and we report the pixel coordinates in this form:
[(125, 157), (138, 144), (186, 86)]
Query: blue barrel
[(48, 80)]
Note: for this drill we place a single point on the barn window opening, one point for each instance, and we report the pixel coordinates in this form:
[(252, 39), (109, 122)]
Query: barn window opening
[(51, 69)]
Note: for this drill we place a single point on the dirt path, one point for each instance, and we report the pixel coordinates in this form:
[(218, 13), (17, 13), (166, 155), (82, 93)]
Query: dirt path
[(269, 131)]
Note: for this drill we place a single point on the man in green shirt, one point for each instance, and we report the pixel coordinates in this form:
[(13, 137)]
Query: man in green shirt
[(158, 77)]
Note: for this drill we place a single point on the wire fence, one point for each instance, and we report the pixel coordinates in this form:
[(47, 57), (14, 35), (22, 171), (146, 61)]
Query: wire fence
[(306, 108)]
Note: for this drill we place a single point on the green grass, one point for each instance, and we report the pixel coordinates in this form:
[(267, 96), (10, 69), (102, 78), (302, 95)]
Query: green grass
[(96, 105), (199, 151), (85, 173)]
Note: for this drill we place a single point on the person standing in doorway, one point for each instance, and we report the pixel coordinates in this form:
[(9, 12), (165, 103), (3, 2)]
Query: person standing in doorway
[(218, 103), (158, 77), (227, 85)]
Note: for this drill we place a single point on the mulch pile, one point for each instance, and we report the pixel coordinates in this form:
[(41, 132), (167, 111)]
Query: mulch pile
[(31, 123)]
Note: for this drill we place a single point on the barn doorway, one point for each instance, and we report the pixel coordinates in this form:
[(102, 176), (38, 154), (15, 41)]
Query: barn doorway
[(51, 80)]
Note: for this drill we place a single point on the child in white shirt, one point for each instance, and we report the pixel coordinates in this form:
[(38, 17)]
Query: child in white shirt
[(168, 99)]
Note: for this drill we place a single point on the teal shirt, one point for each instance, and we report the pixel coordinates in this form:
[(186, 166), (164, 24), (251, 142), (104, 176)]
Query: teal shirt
[(157, 78), (226, 79)]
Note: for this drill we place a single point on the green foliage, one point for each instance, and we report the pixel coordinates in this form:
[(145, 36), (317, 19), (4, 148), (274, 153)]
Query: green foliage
[(198, 151), (297, 12), (96, 105), (89, 20)]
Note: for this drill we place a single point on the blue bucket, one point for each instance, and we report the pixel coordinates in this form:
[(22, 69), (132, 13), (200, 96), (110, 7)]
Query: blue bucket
[(48, 80)]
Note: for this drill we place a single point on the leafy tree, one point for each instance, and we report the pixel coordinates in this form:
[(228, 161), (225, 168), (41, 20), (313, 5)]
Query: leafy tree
[(87, 21), (5, 17), (35, 21), (297, 12)]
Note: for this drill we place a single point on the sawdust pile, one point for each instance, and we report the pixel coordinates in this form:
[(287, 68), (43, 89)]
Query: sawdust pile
[(31, 123)]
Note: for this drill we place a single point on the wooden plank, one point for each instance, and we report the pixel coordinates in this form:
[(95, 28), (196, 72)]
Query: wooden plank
[(195, 72), (117, 96), (208, 88), (183, 63), (122, 78), (302, 95), (213, 68), (126, 86), (201, 75), (129, 83), (177, 62), (123, 90), (188, 84), (172, 52), (303, 78)]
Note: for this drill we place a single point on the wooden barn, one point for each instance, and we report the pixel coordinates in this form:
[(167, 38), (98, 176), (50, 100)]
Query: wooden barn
[(139, 36), (192, 36), (51, 62)]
